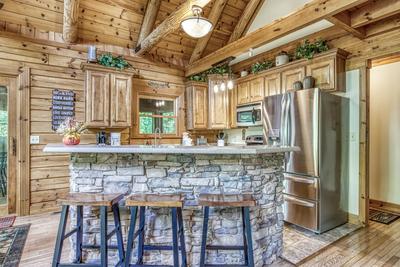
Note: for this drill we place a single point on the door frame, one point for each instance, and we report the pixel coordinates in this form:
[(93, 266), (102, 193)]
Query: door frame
[(11, 84)]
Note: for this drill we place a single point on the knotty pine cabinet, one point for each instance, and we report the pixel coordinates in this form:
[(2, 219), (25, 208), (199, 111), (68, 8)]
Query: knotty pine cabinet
[(292, 75), (272, 84), (108, 97), (243, 93), (196, 105), (250, 91), (218, 106)]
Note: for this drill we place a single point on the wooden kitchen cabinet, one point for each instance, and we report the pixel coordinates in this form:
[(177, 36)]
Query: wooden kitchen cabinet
[(256, 89), (107, 97), (196, 105), (272, 84), (243, 93), (218, 107), (292, 75)]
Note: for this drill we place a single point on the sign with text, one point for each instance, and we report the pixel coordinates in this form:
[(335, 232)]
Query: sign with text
[(63, 106)]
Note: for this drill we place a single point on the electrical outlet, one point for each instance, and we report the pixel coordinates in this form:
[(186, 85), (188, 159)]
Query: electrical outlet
[(34, 140)]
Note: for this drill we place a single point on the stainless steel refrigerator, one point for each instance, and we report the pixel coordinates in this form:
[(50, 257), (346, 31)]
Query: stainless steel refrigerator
[(316, 177)]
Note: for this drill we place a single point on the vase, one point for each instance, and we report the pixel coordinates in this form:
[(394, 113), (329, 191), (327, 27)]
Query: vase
[(297, 85), (282, 59), (71, 140), (308, 82)]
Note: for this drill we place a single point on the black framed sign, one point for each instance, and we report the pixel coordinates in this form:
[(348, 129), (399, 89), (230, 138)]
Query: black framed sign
[(63, 106)]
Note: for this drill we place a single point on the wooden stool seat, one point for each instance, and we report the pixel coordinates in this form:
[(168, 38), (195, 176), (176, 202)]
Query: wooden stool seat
[(156, 200), (90, 199), (220, 200)]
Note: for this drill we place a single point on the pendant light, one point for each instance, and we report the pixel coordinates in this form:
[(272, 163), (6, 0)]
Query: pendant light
[(196, 26), (215, 88), (230, 84), (222, 87)]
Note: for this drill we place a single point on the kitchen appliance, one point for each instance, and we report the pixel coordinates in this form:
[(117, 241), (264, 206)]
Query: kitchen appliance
[(249, 115), (255, 140), (316, 177)]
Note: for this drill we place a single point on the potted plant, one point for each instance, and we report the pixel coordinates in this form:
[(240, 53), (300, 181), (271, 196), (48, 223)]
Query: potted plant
[(308, 50), (71, 131)]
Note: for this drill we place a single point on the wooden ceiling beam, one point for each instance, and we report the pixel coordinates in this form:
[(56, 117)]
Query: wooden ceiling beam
[(374, 11), (70, 24), (149, 19), (1, 3), (214, 16), (170, 24), (343, 20), (247, 16), (312, 12)]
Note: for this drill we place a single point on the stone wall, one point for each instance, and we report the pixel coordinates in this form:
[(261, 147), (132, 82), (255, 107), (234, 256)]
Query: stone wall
[(260, 175)]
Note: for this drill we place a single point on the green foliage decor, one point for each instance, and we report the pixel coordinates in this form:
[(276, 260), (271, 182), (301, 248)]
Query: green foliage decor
[(308, 50), (202, 76), (257, 67), (110, 61)]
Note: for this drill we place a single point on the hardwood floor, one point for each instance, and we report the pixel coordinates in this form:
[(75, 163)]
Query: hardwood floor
[(377, 245)]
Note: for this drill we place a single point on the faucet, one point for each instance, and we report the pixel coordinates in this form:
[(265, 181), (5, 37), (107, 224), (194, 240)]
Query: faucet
[(157, 130)]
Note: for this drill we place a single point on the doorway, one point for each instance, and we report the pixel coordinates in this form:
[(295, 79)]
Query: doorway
[(8, 145), (384, 135)]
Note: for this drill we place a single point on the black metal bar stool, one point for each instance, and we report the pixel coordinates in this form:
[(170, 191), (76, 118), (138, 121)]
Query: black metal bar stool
[(79, 200), (218, 200), (141, 201)]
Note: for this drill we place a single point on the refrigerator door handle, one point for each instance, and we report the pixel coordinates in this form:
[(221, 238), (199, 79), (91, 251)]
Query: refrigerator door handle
[(315, 140), (282, 133), (298, 179), (298, 201)]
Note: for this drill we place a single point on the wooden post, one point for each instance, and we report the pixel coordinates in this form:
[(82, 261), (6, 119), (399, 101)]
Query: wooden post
[(70, 26), (149, 19)]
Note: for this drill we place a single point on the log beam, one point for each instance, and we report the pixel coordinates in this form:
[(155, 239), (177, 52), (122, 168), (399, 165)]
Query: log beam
[(312, 12), (70, 26), (149, 19), (170, 24), (343, 20), (244, 21), (1, 3), (214, 16), (374, 11)]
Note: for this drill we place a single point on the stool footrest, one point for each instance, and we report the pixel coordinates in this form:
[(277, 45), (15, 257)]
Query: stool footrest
[(98, 247), (110, 234), (158, 247), (70, 233), (219, 247)]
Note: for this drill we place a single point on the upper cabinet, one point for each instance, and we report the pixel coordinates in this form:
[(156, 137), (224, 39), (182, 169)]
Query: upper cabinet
[(218, 106), (108, 97), (196, 105), (272, 84), (243, 93), (250, 91), (290, 76)]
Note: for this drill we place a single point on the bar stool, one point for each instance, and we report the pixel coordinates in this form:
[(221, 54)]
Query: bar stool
[(217, 200), (79, 200), (141, 201)]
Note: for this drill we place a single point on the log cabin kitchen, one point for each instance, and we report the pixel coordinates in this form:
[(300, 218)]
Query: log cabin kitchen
[(199, 133)]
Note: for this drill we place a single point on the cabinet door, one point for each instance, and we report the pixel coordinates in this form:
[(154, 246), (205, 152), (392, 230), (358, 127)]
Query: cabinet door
[(257, 89), (323, 73), (290, 76), (243, 96), (97, 99), (272, 84), (218, 109), (232, 108), (200, 107), (121, 87)]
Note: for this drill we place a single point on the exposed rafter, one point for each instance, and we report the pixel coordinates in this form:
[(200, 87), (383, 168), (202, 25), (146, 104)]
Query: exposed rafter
[(248, 13), (312, 12), (1, 3), (149, 19), (70, 26), (343, 20), (214, 16), (374, 11), (170, 24)]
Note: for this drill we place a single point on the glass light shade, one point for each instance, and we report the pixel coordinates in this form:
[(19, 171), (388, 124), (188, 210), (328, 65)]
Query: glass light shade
[(222, 86), (230, 84), (215, 88), (196, 27)]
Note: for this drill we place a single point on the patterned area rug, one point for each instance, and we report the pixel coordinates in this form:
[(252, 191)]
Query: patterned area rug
[(382, 217), (12, 242), (6, 222), (299, 244)]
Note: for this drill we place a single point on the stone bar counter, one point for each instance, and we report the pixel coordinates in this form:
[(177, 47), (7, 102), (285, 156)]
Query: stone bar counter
[(190, 170)]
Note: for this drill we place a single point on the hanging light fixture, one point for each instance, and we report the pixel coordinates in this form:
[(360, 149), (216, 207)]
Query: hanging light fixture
[(222, 87), (196, 26), (230, 84), (215, 88)]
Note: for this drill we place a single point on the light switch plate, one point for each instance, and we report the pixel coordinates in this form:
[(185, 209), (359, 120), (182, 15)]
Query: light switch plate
[(34, 140)]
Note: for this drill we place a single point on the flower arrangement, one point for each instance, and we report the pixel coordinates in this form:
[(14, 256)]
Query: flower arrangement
[(71, 130)]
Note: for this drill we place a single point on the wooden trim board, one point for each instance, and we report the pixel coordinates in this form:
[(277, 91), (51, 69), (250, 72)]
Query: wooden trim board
[(384, 206)]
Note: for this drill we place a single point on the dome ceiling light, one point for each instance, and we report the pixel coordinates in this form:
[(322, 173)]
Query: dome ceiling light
[(196, 26)]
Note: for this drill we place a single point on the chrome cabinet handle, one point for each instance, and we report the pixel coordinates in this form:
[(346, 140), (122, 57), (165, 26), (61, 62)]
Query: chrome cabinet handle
[(298, 201)]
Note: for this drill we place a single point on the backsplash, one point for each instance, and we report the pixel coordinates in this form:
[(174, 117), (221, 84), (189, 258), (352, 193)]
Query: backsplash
[(235, 135)]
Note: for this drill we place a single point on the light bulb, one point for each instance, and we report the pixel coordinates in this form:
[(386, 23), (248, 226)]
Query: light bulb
[(215, 88), (230, 84), (222, 86)]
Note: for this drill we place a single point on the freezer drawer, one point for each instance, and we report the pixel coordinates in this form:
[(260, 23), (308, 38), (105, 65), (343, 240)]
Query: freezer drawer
[(301, 212), (300, 186)]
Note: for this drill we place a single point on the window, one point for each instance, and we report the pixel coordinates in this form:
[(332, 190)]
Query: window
[(157, 113)]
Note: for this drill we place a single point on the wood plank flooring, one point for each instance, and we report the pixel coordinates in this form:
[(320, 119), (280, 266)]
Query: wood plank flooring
[(377, 245)]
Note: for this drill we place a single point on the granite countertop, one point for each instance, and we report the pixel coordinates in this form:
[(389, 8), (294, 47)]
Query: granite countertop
[(170, 149)]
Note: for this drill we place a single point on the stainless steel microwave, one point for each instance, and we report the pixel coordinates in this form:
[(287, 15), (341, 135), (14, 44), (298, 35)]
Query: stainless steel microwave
[(249, 115)]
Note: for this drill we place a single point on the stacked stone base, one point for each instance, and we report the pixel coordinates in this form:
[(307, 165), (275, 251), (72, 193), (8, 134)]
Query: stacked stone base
[(260, 175)]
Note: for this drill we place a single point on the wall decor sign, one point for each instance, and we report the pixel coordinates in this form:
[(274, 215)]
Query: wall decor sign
[(158, 85), (63, 107)]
